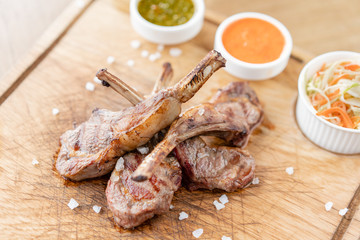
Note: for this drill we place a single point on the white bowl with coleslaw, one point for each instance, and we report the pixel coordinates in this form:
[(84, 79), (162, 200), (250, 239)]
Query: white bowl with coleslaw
[(330, 129)]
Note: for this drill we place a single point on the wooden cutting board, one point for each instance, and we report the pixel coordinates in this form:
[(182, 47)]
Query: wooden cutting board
[(34, 199)]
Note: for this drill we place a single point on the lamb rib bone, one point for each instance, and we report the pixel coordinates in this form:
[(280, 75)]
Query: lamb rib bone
[(110, 80), (129, 93), (165, 78)]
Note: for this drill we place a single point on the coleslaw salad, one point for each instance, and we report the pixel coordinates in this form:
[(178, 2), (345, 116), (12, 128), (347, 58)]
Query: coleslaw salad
[(334, 92)]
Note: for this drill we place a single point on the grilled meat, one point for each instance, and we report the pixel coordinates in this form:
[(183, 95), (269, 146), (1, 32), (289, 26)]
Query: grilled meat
[(231, 118), (221, 167), (226, 168), (92, 149), (132, 202), (247, 103)]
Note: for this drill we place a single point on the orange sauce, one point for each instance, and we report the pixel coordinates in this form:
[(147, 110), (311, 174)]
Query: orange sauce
[(253, 40)]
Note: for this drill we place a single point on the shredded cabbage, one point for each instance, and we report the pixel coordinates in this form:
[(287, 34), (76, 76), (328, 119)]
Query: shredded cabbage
[(337, 84)]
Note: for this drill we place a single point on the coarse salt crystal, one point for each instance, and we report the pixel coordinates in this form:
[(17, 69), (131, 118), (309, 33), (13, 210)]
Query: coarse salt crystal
[(73, 204), (224, 199), (225, 238), (342, 212), (218, 205), (328, 206), (98, 81), (96, 208), (144, 53), (90, 86), (155, 56), (201, 111), (255, 180), (55, 111), (135, 44), (80, 3), (290, 170), (119, 164), (143, 150), (158, 54), (110, 59), (198, 232), (171, 206), (183, 215), (130, 63), (160, 47), (152, 57), (175, 52), (35, 161)]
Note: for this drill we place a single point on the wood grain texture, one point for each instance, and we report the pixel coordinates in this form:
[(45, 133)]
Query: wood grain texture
[(346, 220), (40, 49), (315, 26), (34, 198), (21, 24)]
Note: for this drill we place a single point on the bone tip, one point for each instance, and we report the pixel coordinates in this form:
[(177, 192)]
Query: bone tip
[(166, 64), (105, 83), (139, 178), (218, 56), (101, 71), (214, 52)]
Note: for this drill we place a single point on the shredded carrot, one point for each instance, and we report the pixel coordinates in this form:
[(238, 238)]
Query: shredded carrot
[(344, 63), (346, 121), (352, 67), (320, 100), (321, 69), (335, 81), (339, 104)]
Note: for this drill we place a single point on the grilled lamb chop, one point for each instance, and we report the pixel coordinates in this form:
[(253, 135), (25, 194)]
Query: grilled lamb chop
[(238, 100), (248, 104), (222, 167), (231, 118), (92, 149), (132, 202), (226, 168)]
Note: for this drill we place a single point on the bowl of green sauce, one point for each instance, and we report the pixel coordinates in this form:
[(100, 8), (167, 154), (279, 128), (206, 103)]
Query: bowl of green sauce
[(167, 21)]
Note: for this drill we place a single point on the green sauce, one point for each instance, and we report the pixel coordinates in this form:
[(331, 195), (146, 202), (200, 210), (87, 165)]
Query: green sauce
[(166, 12)]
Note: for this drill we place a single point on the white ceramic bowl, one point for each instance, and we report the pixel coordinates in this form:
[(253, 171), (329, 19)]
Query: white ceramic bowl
[(318, 130), (168, 34), (254, 71)]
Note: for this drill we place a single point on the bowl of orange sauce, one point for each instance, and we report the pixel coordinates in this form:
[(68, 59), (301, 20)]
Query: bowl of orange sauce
[(256, 46)]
